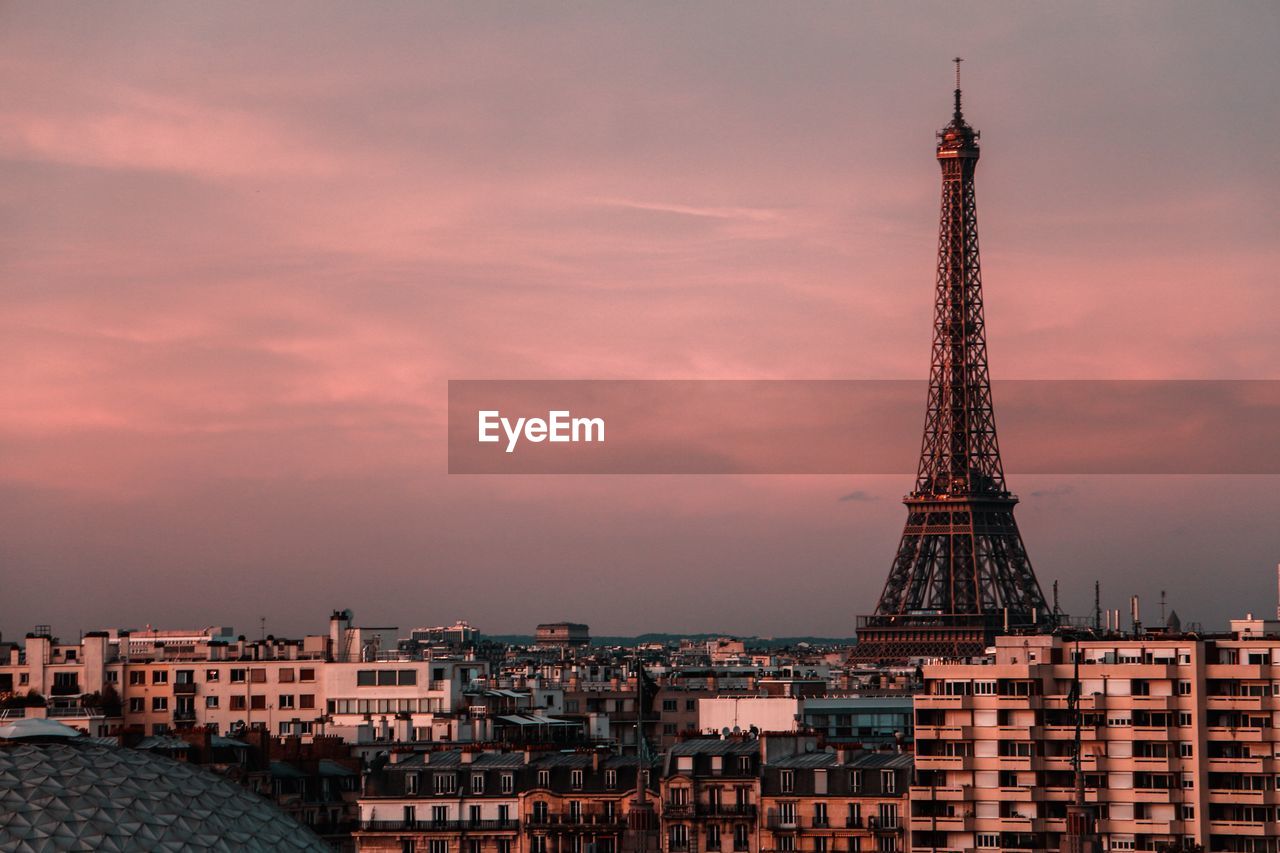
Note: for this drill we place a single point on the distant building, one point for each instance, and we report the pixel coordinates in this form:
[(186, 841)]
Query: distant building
[(563, 634)]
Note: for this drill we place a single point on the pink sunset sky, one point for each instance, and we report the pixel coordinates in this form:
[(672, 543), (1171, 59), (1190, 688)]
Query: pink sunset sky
[(245, 246)]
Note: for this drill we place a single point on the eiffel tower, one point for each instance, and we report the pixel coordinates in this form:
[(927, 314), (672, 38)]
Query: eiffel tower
[(961, 574)]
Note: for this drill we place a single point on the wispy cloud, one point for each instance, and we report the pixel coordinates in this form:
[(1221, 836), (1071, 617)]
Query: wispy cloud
[(748, 214)]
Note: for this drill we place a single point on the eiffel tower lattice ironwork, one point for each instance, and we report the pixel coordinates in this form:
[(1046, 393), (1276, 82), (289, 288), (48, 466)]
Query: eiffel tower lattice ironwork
[(961, 573)]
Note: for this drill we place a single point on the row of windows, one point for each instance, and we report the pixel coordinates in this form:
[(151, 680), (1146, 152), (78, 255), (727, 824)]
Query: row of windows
[(888, 781), (236, 675), (447, 783), (386, 677), (284, 702), (385, 706)]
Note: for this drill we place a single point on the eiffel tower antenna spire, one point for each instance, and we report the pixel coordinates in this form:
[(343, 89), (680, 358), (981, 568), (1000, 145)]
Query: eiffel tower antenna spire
[(961, 574), (958, 116)]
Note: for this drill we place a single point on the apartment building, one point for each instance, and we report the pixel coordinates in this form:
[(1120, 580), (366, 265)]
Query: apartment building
[(711, 796), (464, 801), (1178, 742), (834, 801), (876, 719), (153, 682)]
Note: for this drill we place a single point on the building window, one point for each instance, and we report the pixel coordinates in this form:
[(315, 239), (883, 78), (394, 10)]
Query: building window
[(1189, 812), (159, 676), (679, 838), (286, 675), (787, 781), (1184, 718), (1184, 750), (575, 779), (446, 783), (477, 783), (989, 839), (744, 764), (611, 778), (668, 728), (855, 781), (438, 845), (855, 815), (407, 845), (307, 700), (888, 782), (306, 675), (237, 703), (257, 703), (137, 705), (211, 701), (286, 702), (741, 839), (507, 783), (159, 703), (137, 677), (544, 778), (211, 675), (411, 783), (258, 676), (691, 704), (237, 676), (668, 704), (713, 837), (1184, 688)]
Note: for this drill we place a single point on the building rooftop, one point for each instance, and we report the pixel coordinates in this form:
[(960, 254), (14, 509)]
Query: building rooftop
[(76, 794)]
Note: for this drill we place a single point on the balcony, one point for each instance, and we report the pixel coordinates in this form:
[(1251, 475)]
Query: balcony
[(585, 821), (187, 688), (1249, 734), (1233, 703), (960, 820), (744, 810), (882, 826), (941, 792)]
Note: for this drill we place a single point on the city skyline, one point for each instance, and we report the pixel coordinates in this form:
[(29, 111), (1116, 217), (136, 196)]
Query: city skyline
[(246, 252)]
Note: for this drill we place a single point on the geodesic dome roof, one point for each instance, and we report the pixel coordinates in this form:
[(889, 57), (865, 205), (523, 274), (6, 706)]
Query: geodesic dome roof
[(74, 794)]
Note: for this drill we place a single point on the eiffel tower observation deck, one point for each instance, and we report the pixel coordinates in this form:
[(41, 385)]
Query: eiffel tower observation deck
[(961, 574)]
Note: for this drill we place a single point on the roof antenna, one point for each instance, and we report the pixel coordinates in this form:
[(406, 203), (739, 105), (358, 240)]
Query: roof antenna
[(957, 61)]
